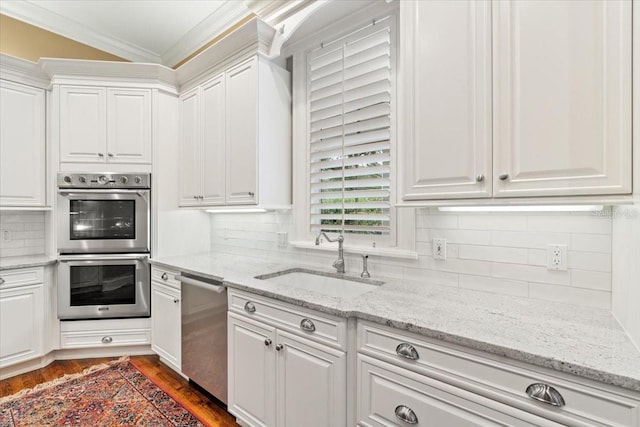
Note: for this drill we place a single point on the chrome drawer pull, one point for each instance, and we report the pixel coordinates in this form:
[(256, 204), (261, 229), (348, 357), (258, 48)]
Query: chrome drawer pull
[(545, 393), (307, 325), (405, 414), (164, 276), (407, 351), (107, 340), (249, 307), (503, 177)]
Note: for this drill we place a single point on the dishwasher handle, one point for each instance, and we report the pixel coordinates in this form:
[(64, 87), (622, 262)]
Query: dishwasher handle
[(204, 285)]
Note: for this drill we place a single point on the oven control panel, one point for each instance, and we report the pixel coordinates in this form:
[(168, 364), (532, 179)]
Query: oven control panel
[(104, 180)]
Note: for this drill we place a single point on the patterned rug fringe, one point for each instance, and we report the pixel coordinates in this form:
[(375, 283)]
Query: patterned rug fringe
[(63, 379)]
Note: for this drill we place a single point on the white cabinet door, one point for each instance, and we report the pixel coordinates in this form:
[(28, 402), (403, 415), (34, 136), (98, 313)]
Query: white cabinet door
[(242, 119), (165, 323), (562, 105), (312, 389), (22, 145), (190, 148), (129, 126), (83, 124), (21, 323), (213, 141), (252, 371), (445, 141)]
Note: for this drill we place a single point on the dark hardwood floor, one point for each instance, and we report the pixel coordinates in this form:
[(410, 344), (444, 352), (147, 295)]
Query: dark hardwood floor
[(195, 401)]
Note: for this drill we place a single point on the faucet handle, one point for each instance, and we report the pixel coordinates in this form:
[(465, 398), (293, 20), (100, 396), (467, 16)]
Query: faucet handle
[(365, 273)]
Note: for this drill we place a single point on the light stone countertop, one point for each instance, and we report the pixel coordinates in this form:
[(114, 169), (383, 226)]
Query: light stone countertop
[(26, 261), (587, 342)]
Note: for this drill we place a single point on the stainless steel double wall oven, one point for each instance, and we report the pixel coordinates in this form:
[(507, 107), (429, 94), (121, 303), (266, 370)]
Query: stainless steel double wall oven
[(103, 240)]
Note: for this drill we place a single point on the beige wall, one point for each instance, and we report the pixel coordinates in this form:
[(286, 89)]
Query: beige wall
[(32, 43)]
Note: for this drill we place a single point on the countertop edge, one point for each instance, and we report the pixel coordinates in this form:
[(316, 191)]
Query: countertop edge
[(25, 262)]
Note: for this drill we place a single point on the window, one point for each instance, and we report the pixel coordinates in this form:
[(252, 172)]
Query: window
[(349, 95), (344, 133)]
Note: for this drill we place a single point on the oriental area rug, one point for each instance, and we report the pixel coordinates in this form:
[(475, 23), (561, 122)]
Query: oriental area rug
[(110, 395)]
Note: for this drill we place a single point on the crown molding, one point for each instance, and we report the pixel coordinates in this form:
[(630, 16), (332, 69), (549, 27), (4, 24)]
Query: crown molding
[(121, 73), (35, 15), (22, 71), (219, 21), (253, 37)]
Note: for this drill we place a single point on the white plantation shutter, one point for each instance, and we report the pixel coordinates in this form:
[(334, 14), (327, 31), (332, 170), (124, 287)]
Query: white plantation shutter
[(350, 96)]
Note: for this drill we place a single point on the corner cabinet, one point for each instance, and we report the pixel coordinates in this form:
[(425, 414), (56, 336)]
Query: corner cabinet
[(517, 99), (235, 141), (287, 365), (22, 145), (105, 125)]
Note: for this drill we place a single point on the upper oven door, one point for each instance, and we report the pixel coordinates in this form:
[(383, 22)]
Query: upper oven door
[(101, 221)]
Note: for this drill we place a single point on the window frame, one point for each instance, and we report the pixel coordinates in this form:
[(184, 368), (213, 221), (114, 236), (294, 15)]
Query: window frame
[(401, 240)]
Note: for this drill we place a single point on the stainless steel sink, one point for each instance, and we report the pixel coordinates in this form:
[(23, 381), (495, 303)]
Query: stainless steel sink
[(332, 284)]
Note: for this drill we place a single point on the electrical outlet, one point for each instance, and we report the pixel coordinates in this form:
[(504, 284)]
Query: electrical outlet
[(556, 257), (439, 248), (6, 235), (282, 239)]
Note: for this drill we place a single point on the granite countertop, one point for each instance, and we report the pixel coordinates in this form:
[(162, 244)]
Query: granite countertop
[(26, 261), (584, 341)]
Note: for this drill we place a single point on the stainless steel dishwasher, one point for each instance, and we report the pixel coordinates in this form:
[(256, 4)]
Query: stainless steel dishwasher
[(204, 334)]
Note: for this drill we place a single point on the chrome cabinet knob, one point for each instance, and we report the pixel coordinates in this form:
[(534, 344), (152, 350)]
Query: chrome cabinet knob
[(164, 276), (251, 193), (268, 342), (307, 325), (406, 414), (195, 197), (110, 154), (249, 307), (546, 394), (100, 154), (407, 351), (107, 340), (176, 300), (480, 178), (279, 347), (503, 177)]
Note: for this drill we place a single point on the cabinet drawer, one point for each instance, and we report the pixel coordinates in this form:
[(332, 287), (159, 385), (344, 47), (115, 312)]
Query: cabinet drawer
[(331, 330), (20, 277), (584, 404), (165, 276), (392, 396), (105, 338)]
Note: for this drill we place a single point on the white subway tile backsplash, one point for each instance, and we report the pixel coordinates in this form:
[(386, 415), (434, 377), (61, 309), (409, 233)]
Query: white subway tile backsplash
[(26, 232), (492, 222), (502, 253), (491, 284), (591, 279), (494, 253), (585, 297)]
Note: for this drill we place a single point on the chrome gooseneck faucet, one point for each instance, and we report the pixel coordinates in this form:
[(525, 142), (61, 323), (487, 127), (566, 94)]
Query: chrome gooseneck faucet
[(339, 263)]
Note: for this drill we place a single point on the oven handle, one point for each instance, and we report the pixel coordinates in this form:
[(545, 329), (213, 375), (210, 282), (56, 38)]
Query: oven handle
[(68, 258), (139, 192), (204, 285)]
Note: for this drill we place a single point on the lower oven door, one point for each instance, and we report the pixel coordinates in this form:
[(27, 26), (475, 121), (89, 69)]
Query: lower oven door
[(103, 286)]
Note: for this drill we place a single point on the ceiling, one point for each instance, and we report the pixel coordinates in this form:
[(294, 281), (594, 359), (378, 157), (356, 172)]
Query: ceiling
[(156, 31)]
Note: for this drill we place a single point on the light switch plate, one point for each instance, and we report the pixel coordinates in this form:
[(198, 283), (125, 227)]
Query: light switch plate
[(439, 248), (282, 239)]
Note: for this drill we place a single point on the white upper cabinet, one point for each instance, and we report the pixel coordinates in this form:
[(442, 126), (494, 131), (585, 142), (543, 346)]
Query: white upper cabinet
[(447, 147), (242, 119), (22, 145), (105, 125), (544, 111), (235, 141), (562, 105)]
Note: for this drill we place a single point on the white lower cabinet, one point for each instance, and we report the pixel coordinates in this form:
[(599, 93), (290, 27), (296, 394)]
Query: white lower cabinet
[(391, 396), (22, 311), (166, 317), (403, 375), (280, 376)]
